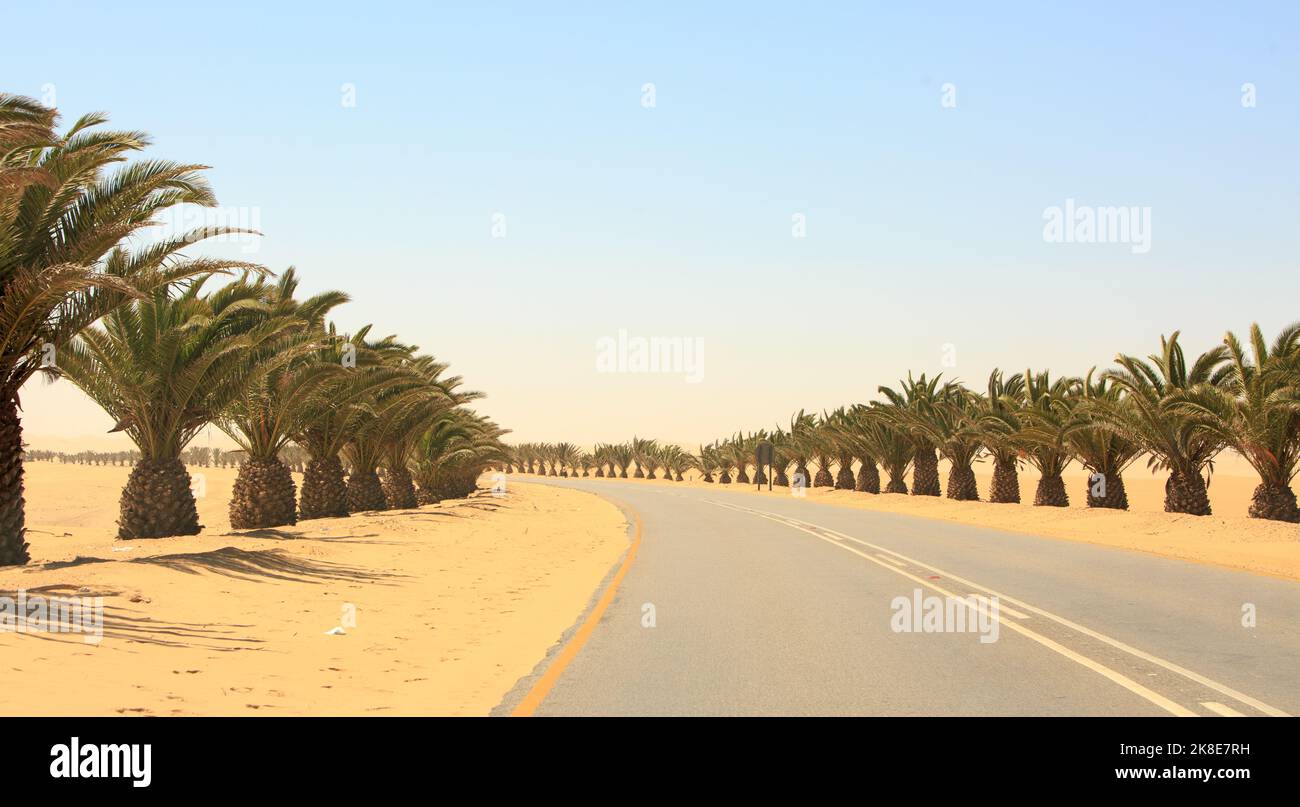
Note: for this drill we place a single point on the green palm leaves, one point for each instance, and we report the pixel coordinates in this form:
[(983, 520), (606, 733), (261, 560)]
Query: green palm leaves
[(164, 367), (67, 204), (1243, 395), (1255, 408), (1153, 417)]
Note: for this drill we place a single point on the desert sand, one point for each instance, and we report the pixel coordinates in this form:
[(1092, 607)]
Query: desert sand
[(453, 603), (1229, 538)]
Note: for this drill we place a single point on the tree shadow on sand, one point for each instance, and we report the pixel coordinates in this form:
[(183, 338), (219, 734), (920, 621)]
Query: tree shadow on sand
[(243, 564), (130, 625), (272, 564)]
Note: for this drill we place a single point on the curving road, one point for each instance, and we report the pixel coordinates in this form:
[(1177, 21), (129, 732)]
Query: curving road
[(772, 605)]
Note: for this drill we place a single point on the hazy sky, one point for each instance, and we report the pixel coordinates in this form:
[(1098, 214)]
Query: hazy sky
[(920, 149)]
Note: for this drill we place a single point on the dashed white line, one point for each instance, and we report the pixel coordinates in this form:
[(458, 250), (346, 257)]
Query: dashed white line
[(1221, 710), (1119, 678)]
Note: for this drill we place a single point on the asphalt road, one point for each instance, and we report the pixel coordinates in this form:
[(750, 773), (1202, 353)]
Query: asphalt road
[(744, 605)]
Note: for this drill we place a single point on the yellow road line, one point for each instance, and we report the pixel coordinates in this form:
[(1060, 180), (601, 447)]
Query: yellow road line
[(543, 685)]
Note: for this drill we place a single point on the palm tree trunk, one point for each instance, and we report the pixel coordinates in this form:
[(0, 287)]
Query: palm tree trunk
[(708, 477), (600, 473), (868, 476), (679, 477), (925, 473), (961, 484), (781, 480), (13, 547), (742, 477), (1114, 498), (1006, 481), (157, 501), (399, 490), (425, 496), (1185, 493), (823, 479), (263, 496), (844, 479), (324, 491), (1274, 502), (365, 491), (1051, 492), (897, 484), (724, 478)]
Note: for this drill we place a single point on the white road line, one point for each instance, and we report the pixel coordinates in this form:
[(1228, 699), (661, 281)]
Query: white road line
[(1221, 710), (1002, 607), (888, 559), (1222, 689), (1133, 686), (1168, 665)]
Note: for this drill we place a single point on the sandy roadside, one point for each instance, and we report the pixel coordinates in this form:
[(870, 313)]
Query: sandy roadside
[(453, 603), (1228, 538)]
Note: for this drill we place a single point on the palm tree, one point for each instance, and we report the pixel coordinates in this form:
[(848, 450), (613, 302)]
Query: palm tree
[(1047, 410), (888, 443), (430, 396), (642, 450), (726, 462), (333, 417), (1103, 450), (850, 426), (802, 443), (949, 419), (1256, 411), (165, 366), (64, 218), (824, 450), (1175, 440), (780, 439), (621, 455), (676, 462), (270, 409), (742, 449), (834, 435), (453, 452), (907, 407), (708, 462), (392, 414), (999, 429), (566, 456)]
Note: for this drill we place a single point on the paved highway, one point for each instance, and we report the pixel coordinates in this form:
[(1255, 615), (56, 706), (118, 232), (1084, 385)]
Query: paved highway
[(736, 604)]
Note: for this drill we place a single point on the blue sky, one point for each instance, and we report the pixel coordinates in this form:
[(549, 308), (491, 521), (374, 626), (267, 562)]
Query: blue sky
[(924, 222)]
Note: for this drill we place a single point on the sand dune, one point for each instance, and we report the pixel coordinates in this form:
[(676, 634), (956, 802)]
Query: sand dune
[(453, 603)]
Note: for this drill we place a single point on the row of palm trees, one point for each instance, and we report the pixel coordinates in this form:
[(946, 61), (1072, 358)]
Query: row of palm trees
[(193, 456), (154, 338), (648, 457), (1178, 415)]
